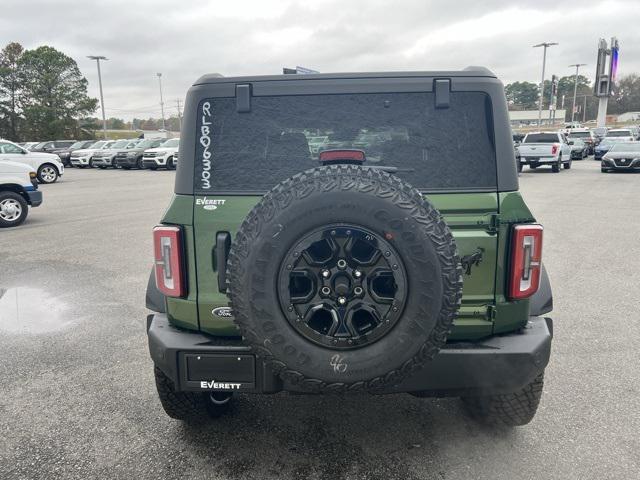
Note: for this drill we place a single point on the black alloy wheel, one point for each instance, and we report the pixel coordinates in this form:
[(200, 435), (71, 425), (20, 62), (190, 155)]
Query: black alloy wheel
[(342, 286)]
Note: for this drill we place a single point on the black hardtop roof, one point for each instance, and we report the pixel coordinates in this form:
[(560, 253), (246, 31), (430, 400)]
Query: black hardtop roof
[(213, 78), (469, 79)]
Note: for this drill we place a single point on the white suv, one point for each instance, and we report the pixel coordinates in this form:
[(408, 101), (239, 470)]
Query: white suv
[(84, 157), (165, 155), (47, 165), (18, 190)]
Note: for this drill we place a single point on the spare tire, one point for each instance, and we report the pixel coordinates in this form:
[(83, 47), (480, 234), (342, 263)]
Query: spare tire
[(344, 278)]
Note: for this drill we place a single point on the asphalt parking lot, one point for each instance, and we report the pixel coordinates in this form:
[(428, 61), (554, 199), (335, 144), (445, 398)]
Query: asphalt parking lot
[(78, 399)]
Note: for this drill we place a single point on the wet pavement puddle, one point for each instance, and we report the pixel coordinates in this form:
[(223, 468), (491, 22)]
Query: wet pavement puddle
[(26, 310)]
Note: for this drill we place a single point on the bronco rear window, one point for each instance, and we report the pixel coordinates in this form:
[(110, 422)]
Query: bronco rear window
[(433, 149)]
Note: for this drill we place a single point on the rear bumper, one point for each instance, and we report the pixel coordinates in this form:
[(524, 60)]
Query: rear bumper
[(500, 364), (538, 160)]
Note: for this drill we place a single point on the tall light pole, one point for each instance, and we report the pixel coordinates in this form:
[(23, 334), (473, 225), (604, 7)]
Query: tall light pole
[(97, 58), (575, 89), (544, 62), (161, 101)]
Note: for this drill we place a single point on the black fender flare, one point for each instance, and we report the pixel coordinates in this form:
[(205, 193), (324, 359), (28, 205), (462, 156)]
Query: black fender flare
[(542, 301), (154, 299)]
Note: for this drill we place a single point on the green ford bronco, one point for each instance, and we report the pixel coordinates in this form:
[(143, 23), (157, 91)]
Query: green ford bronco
[(354, 232)]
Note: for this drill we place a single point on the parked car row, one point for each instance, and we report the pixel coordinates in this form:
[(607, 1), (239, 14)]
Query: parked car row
[(127, 154), (22, 169), (598, 133), (618, 150)]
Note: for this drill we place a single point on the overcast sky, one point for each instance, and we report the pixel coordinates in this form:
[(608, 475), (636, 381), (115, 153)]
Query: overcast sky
[(184, 39)]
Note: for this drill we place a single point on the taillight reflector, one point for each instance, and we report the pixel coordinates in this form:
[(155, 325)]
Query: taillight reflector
[(526, 260), (167, 245), (554, 148)]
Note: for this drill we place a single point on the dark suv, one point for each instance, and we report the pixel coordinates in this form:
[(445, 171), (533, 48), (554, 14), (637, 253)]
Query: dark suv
[(397, 260), (132, 157), (54, 146)]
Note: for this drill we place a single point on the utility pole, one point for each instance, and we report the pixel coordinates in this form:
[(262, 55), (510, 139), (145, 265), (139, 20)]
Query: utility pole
[(161, 101), (553, 99), (575, 89), (97, 58), (179, 114), (544, 62)]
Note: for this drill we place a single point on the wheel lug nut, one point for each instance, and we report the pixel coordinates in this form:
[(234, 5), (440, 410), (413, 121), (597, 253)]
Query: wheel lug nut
[(325, 290), (357, 291), (342, 300), (357, 273), (326, 273), (342, 263)]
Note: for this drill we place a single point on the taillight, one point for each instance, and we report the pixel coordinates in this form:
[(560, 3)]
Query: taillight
[(346, 155), (554, 148), (167, 245), (526, 261)]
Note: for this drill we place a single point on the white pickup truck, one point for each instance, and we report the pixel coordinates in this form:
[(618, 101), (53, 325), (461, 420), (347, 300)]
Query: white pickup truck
[(545, 148), (18, 190)]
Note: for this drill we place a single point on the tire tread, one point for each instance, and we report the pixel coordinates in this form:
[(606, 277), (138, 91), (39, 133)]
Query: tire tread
[(512, 409)]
